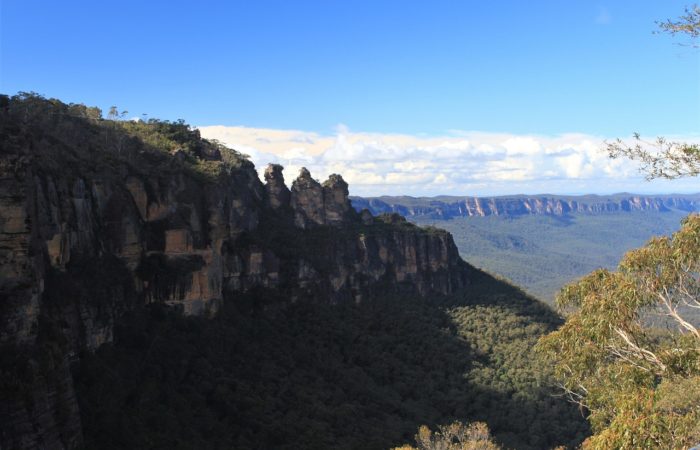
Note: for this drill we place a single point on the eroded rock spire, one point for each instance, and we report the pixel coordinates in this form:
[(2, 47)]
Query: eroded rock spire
[(320, 204)]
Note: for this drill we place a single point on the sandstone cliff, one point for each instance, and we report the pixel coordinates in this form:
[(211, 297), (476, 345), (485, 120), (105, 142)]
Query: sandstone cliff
[(448, 207), (99, 218)]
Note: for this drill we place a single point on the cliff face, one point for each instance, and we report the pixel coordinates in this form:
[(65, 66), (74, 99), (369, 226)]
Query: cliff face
[(515, 206), (97, 220)]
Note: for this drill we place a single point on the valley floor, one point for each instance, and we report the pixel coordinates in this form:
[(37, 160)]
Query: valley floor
[(269, 374), (542, 253)]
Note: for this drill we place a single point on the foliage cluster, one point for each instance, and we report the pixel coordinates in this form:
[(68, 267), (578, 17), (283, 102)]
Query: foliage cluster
[(687, 25), (639, 381), (455, 436), (661, 158)]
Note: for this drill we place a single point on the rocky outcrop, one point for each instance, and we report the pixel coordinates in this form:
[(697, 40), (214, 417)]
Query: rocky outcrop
[(277, 192), (89, 231), (307, 201), (336, 204), (315, 204), (446, 208)]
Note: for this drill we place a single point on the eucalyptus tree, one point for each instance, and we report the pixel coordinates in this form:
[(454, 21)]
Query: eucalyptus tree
[(629, 351)]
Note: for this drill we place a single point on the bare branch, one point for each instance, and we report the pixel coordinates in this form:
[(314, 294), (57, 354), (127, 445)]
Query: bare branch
[(672, 312), (634, 353)]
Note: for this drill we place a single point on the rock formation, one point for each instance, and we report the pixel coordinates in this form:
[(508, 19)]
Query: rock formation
[(320, 204), (89, 231), (307, 201), (277, 192), (336, 205)]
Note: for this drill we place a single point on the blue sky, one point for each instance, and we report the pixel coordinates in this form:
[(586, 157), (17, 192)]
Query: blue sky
[(380, 68)]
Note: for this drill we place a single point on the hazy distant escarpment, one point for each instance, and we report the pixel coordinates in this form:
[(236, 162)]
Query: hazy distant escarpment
[(99, 218), (543, 242), (447, 207)]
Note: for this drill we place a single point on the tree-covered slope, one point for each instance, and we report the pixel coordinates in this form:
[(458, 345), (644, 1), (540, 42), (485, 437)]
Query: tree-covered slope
[(304, 375)]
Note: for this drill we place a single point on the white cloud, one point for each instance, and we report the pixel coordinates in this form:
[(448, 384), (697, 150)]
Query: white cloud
[(573, 165), (459, 163), (522, 145), (440, 179)]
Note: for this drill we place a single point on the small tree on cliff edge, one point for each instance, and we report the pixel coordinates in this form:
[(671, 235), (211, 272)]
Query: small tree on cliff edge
[(629, 351), (663, 158)]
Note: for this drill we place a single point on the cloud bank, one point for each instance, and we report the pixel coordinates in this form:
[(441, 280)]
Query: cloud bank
[(458, 163)]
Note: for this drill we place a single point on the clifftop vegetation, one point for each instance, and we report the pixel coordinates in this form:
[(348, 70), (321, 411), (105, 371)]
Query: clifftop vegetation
[(74, 137)]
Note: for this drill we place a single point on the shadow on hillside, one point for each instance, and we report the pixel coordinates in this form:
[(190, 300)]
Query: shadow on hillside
[(485, 289), (309, 376), (503, 323)]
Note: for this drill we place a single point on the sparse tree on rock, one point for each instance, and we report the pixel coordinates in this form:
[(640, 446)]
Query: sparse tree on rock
[(114, 113)]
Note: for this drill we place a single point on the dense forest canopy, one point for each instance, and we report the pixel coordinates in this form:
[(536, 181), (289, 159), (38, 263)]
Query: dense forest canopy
[(328, 376)]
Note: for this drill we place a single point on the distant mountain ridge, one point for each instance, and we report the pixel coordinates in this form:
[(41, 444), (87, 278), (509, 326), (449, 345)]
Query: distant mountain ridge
[(447, 207)]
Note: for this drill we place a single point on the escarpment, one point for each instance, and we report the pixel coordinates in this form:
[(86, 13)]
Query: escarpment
[(99, 218), (449, 207)]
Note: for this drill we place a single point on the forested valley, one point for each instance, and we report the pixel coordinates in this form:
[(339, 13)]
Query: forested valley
[(329, 376)]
